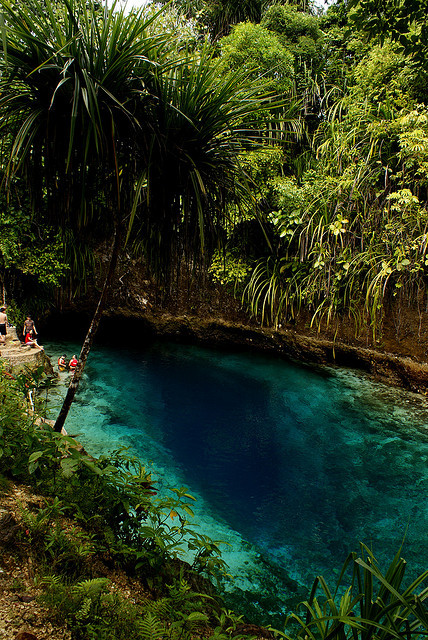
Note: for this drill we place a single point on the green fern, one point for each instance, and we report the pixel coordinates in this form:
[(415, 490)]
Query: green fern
[(85, 609), (91, 588), (151, 628), (160, 608)]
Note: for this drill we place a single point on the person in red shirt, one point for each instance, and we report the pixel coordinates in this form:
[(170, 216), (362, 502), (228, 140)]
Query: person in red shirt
[(73, 363), (31, 341)]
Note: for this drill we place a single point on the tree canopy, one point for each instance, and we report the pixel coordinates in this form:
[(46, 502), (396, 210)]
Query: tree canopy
[(292, 137), (105, 127)]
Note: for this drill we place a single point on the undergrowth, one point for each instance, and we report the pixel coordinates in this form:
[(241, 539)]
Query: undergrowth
[(107, 510)]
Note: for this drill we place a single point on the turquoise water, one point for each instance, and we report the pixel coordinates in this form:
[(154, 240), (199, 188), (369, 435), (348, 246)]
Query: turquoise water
[(292, 466)]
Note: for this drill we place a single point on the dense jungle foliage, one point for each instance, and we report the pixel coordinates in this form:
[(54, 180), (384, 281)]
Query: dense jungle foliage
[(279, 146)]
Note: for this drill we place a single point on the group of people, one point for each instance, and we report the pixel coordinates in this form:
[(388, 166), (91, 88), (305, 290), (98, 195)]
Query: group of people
[(29, 333), (29, 330), (63, 365)]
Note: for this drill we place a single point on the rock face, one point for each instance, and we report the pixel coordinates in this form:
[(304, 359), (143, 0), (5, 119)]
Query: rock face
[(122, 325), (18, 356)]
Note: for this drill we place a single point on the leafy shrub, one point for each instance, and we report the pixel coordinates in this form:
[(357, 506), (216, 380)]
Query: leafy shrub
[(257, 50), (61, 551), (229, 269), (17, 437), (94, 612), (91, 611)]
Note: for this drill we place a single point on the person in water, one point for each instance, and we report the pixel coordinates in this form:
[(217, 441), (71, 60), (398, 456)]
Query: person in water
[(3, 325), (62, 362), (72, 364)]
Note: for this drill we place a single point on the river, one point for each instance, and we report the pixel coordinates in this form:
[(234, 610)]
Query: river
[(292, 466)]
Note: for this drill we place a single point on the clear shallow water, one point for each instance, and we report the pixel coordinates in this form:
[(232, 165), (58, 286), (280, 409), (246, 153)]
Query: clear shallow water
[(292, 466)]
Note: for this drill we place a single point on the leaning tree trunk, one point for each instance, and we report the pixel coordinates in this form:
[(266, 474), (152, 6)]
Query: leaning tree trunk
[(87, 344)]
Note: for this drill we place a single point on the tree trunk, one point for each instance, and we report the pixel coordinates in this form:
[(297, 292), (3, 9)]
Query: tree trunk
[(87, 344)]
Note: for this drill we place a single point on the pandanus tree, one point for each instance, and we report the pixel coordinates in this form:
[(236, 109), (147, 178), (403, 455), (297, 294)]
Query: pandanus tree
[(73, 84), (108, 128), (201, 117)]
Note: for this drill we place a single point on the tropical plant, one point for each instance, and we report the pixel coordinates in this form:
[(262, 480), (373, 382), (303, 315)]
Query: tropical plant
[(99, 114), (403, 21), (72, 79), (195, 170), (218, 16), (351, 236), (373, 605), (93, 610), (229, 269), (260, 53), (298, 31), (32, 257), (13, 422)]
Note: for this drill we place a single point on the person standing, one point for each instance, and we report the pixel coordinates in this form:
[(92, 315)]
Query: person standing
[(29, 327), (3, 325)]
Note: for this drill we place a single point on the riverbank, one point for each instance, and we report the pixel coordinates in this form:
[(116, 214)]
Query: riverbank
[(386, 367), (18, 356), (200, 312)]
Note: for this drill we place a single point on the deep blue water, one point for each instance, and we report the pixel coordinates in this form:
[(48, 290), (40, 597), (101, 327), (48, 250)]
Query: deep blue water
[(292, 466)]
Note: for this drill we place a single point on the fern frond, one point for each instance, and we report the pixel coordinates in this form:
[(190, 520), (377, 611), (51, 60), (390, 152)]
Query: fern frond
[(151, 628)]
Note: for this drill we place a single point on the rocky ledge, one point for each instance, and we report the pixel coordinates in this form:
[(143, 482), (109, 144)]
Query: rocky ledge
[(18, 356), (389, 368)]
